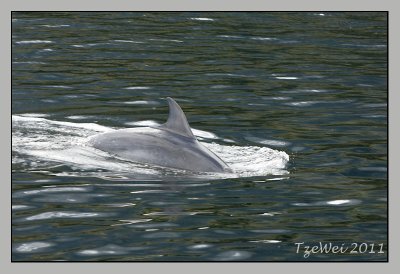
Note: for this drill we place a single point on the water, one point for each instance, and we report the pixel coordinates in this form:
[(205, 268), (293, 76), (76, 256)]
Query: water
[(295, 103)]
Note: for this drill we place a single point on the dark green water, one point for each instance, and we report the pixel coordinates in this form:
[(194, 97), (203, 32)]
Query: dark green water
[(295, 103)]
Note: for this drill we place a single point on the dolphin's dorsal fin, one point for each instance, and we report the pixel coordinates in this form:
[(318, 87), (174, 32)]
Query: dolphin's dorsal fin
[(177, 121)]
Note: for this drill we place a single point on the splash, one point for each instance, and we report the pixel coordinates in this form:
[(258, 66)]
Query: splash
[(61, 148)]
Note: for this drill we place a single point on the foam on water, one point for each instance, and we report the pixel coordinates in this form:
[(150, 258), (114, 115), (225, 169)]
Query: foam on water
[(145, 123), (42, 144)]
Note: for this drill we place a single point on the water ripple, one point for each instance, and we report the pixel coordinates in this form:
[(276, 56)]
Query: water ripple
[(110, 249), (158, 235), (264, 38), (33, 247), (275, 143), (56, 26), (286, 77), (20, 207), (200, 246), (130, 222), (234, 255), (141, 103), (373, 168), (271, 231), (343, 202), (62, 214), (266, 241), (138, 87), (129, 41), (52, 190), (302, 103), (34, 42), (201, 19)]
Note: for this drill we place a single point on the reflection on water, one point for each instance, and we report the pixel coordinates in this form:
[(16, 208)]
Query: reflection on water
[(295, 103)]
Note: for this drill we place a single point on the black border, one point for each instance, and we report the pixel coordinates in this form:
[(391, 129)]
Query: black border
[(205, 11)]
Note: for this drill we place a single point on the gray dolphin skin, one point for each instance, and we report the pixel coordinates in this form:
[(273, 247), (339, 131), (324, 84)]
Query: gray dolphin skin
[(170, 145)]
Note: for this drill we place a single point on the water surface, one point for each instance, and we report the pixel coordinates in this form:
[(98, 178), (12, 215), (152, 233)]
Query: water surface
[(295, 103)]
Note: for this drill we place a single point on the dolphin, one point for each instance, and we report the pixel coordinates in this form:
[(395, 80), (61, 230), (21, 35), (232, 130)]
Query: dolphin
[(170, 145)]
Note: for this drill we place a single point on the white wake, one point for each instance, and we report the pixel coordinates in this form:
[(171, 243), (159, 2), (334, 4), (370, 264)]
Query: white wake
[(43, 145)]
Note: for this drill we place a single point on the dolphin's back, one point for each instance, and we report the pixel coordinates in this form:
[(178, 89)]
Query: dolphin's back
[(159, 147), (170, 145)]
